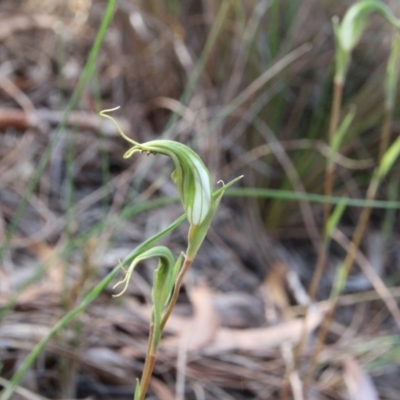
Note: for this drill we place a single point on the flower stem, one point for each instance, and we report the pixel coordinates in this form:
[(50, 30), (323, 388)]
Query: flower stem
[(149, 364), (151, 353), (187, 263)]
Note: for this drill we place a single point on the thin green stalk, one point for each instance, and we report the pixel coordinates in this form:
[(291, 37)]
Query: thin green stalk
[(67, 366), (391, 80), (386, 160), (151, 353), (199, 67), (311, 197), (347, 265), (88, 299), (335, 111), (150, 360), (390, 215), (70, 106), (186, 265), (79, 241), (38, 349), (385, 132), (330, 227), (319, 269), (104, 151), (196, 236), (328, 187)]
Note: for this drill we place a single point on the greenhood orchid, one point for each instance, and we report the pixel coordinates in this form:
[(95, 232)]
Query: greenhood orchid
[(193, 182), (191, 176)]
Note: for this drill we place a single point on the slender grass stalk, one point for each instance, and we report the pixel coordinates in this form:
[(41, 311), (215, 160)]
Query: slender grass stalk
[(390, 215), (86, 73), (288, 195), (38, 349), (390, 94), (335, 142), (328, 188), (330, 226), (88, 299), (347, 35), (386, 160), (199, 67), (381, 171), (333, 126)]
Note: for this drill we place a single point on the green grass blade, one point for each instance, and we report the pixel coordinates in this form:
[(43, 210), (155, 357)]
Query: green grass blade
[(86, 73), (311, 197), (88, 299)]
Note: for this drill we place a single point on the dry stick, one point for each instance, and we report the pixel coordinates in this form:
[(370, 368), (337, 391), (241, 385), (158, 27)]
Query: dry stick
[(329, 173), (323, 250), (360, 229), (347, 264), (148, 365), (373, 276)]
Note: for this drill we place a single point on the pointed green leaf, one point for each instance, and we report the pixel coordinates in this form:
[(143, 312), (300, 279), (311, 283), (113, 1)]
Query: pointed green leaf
[(334, 218), (197, 233), (389, 158), (137, 390)]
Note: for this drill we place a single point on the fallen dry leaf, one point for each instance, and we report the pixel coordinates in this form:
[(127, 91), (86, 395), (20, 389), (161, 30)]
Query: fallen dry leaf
[(205, 335), (161, 390), (359, 384), (205, 323), (264, 338)]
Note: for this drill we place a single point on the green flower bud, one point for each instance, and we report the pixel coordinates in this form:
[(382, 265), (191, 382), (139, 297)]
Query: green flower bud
[(356, 18), (349, 31)]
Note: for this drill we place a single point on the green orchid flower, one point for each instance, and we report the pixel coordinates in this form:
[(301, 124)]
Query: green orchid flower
[(191, 176), (193, 182)]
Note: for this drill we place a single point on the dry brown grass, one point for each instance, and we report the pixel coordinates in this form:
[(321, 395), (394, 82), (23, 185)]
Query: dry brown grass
[(239, 318)]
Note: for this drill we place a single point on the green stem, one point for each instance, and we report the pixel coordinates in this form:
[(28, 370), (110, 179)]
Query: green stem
[(187, 263), (385, 132), (323, 253), (90, 64), (319, 269), (149, 363), (90, 297), (38, 349), (333, 126), (152, 346)]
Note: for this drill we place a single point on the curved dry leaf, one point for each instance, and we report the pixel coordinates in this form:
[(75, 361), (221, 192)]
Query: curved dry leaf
[(202, 329), (161, 390), (359, 384), (205, 324), (264, 338)]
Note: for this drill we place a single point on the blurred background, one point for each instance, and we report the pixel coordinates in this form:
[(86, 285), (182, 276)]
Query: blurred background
[(248, 85)]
